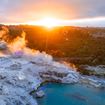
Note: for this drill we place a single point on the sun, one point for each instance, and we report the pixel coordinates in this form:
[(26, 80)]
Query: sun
[(47, 22)]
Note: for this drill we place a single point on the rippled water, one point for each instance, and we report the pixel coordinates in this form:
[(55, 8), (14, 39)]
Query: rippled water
[(61, 94)]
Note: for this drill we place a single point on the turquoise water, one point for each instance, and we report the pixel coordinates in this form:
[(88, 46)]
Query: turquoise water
[(61, 94)]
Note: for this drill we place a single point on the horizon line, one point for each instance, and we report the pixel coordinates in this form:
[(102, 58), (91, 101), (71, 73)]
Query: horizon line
[(85, 22)]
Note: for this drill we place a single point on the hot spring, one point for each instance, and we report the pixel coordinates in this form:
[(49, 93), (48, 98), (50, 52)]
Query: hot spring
[(62, 94)]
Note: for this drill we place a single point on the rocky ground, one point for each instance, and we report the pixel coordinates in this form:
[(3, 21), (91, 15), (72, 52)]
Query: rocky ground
[(96, 70), (20, 75)]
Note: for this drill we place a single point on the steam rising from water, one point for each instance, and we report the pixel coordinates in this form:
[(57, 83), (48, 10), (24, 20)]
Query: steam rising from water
[(17, 46), (19, 43)]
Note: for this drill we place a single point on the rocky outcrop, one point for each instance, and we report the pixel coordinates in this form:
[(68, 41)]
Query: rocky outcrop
[(93, 81), (98, 70), (39, 94), (54, 76)]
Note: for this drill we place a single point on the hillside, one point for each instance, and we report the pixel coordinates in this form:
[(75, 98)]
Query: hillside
[(77, 44)]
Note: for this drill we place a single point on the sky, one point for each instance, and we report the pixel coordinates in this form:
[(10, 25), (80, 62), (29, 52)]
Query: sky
[(92, 12)]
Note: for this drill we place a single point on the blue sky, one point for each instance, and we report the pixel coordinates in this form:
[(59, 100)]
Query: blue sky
[(18, 11)]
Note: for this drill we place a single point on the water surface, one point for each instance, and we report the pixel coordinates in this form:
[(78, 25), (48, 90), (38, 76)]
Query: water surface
[(61, 94)]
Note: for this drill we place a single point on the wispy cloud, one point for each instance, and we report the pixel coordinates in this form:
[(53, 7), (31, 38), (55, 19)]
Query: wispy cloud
[(14, 11)]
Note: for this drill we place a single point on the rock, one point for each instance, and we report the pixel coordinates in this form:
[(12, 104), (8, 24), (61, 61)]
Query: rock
[(93, 81), (3, 45), (40, 94), (98, 70), (60, 77), (71, 78), (15, 66)]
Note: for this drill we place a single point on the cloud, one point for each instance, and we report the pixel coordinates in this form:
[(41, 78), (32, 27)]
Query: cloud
[(14, 11)]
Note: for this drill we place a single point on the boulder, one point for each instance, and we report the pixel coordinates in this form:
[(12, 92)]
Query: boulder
[(3, 45), (40, 94)]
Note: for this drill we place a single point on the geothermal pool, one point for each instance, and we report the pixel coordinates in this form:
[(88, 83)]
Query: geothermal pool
[(61, 94)]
